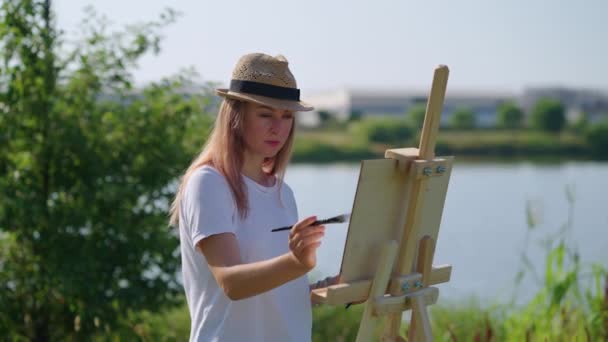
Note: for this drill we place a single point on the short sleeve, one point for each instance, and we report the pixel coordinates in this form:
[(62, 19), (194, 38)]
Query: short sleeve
[(209, 207), (290, 201)]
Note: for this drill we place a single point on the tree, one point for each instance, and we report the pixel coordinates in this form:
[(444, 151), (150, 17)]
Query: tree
[(510, 115), (581, 123), (355, 115), (548, 115), (383, 130), (597, 137), (86, 171), (415, 115), (463, 118), (324, 116)]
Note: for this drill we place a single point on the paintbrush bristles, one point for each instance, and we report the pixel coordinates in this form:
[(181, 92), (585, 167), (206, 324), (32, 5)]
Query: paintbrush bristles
[(338, 219)]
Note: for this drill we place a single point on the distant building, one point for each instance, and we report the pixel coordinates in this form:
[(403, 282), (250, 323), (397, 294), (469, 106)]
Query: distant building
[(577, 102), (342, 103)]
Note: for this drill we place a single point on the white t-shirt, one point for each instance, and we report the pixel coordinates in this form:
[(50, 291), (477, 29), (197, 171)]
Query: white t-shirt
[(208, 208)]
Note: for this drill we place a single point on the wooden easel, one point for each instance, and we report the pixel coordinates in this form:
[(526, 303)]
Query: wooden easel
[(397, 210)]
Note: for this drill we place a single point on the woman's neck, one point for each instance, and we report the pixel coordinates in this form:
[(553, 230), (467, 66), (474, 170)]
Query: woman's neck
[(252, 168)]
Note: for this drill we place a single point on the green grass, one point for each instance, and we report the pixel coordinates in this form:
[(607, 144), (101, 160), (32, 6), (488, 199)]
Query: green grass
[(344, 145)]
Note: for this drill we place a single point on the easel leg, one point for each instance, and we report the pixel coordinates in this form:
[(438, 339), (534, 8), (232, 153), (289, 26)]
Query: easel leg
[(420, 319), (420, 328), (383, 272), (391, 330)]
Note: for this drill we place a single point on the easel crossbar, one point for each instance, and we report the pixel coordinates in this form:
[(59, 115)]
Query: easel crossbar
[(359, 291), (398, 304)]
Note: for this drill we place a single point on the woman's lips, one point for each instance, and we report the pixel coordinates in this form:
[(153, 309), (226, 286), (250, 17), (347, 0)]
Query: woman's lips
[(272, 143)]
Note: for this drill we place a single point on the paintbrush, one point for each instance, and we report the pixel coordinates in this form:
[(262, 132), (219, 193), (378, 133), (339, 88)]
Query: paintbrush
[(336, 219)]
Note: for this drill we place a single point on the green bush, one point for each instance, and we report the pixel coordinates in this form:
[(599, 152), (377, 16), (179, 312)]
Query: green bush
[(415, 115), (510, 115), (88, 161), (467, 321), (318, 152), (335, 323), (548, 115), (597, 137), (463, 118), (383, 130)]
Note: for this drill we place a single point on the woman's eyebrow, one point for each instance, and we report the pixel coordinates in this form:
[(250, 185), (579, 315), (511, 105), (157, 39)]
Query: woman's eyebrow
[(265, 108)]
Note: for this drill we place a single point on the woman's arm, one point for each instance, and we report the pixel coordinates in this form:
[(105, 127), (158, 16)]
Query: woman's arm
[(239, 280)]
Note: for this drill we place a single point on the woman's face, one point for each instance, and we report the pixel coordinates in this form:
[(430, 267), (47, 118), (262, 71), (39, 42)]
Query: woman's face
[(266, 129)]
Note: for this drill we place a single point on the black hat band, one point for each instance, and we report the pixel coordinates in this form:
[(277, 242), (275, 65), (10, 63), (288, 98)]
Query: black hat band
[(263, 89)]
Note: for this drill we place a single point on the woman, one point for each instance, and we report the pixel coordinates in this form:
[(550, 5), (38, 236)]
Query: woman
[(242, 281)]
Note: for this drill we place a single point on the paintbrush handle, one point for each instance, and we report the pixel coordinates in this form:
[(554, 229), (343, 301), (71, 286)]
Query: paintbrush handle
[(335, 219), (282, 228), (289, 227), (318, 222)]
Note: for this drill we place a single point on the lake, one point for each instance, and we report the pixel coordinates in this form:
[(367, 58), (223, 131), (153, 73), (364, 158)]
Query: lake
[(484, 224)]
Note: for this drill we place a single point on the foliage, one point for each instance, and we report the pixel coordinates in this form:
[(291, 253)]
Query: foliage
[(86, 165), (462, 118), (355, 115), (468, 321), (562, 309), (415, 115), (597, 137), (172, 324), (580, 124), (335, 323), (478, 143), (548, 115), (324, 116), (320, 152), (510, 116), (382, 130)]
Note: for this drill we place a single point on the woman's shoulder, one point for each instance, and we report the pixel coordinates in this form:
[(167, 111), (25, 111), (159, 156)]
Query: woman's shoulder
[(208, 170), (287, 191), (206, 177), (286, 188)]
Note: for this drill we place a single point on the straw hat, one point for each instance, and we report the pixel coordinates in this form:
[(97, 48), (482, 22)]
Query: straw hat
[(266, 80)]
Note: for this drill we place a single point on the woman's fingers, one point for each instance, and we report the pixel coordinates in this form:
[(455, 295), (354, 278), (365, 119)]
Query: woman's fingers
[(303, 233), (304, 239), (305, 249), (302, 244), (302, 225)]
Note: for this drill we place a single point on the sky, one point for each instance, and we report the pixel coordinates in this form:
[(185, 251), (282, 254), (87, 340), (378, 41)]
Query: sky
[(492, 46)]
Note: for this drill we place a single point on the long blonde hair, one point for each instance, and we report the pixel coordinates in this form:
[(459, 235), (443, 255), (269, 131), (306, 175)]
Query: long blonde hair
[(224, 151)]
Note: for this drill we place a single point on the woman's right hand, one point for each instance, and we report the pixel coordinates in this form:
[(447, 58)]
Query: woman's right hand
[(304, 239)]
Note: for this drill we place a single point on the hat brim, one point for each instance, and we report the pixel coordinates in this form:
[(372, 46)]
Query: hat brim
[(296, 106)]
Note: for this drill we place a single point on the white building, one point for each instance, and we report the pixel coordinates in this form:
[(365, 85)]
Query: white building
[(342, 103), (593, 103)]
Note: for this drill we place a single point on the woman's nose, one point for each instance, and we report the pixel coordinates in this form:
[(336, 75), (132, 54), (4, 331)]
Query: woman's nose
[(275, 125)]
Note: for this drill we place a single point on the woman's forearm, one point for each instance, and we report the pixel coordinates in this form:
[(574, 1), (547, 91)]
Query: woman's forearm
[(246, 280), (241, 280)]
